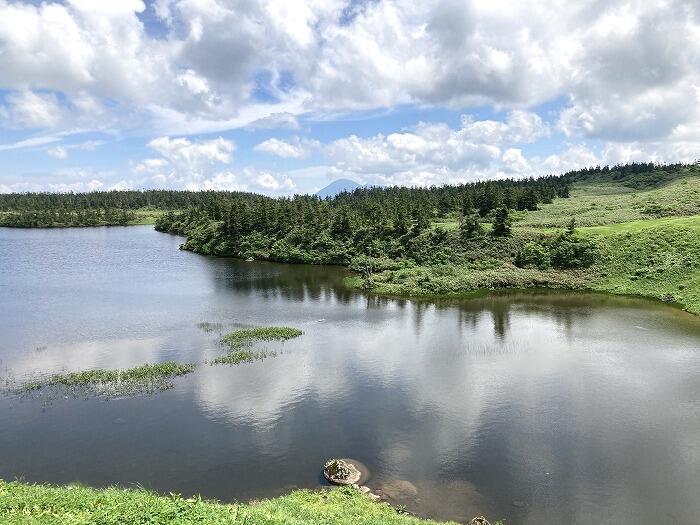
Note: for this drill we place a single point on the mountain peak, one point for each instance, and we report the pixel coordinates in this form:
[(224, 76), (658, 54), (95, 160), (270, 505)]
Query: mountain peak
[(337, 187)]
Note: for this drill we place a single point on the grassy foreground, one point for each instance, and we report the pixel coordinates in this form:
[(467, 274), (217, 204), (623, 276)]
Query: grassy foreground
[(27, 504)]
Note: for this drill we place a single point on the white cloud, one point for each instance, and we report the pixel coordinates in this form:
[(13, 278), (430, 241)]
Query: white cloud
[(29, 143), (268, 182), (202, 166), (434, 150), (295, 148), (184, 164), (627, 68), (284, 120), (27, 109), (574, 157), (193, 154), (59, 152), (621, 73)]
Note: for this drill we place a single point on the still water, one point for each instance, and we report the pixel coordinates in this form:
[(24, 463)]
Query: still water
[(537, 408)]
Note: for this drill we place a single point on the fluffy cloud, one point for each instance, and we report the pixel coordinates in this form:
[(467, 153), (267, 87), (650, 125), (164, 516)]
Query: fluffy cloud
[(434, 153), (202, 165), (27, 109), (625, 67), (295, 148), (623, 75), (186, 164), (269, 182)]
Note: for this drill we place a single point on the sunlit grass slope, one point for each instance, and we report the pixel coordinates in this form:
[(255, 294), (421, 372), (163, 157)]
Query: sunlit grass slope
[(647, 242), (595, 204)]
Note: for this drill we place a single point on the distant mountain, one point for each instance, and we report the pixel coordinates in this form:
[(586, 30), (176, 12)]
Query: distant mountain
[(336, 187)]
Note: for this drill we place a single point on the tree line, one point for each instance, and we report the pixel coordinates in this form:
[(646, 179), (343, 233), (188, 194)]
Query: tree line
[(383, 223)]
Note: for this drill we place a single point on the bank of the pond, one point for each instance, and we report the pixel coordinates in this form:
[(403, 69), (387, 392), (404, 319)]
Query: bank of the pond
[(25, 504), (659, 259)]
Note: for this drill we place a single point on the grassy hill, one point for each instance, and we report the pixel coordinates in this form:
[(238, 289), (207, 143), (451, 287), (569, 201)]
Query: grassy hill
[(594, 204), (647, 243)]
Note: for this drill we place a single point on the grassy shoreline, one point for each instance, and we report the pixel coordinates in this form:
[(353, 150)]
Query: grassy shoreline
[(37, 504)]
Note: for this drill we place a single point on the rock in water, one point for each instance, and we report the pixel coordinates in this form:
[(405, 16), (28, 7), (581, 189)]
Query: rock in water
[(341, 472), (399, 489)]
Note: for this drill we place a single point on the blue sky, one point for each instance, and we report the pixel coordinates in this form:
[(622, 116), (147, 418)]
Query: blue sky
[(282, 97)]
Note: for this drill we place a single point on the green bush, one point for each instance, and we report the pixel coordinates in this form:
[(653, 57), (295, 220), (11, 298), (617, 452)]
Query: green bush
[(533, 255), (570, 251)]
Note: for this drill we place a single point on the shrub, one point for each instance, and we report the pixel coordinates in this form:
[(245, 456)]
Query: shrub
[(533, 254), (569, 251)]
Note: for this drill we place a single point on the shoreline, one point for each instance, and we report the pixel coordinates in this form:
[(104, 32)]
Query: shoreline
[(43, 503), (473, 293)]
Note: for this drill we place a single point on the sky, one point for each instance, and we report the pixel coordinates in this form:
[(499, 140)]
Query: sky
[(283, 96)]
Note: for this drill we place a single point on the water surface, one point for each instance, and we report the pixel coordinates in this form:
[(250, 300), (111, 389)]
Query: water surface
[(538, 408)]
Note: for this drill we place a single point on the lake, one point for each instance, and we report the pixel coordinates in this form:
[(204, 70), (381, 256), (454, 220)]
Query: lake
[(534, 407)]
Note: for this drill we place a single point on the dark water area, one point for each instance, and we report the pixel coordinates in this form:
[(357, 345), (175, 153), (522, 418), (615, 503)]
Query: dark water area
[(534, 407)]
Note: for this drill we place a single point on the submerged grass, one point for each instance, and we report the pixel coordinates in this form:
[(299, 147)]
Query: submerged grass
[(210, 327), (28, 504), (269, 333), (144, 378), (242, 356), (239, 341)]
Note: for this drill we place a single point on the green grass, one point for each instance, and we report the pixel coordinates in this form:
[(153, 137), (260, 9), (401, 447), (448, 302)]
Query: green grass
[(608, 203), (28, 504), (241, 356), (239, 341), (146, 216), (657, 258), (140, 378), (692, 223), (270, 333), (462, 280)]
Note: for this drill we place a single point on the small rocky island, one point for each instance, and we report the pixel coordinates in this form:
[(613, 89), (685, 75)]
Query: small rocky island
[(345, 472), (341, 472)]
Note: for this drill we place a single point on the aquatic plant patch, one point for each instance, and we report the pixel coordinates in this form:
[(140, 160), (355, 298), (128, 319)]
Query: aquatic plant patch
[(242, 356), (250, 335), (238, 343), (141, 379)]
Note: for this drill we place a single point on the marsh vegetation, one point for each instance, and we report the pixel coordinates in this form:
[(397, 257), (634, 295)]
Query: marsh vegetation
[(140, 379), (151, 378), (239, 343), (238, 338)]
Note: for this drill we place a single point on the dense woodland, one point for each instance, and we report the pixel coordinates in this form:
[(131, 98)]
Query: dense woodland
[(368, 229)]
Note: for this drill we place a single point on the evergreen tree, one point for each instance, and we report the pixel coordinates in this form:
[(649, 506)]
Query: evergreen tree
[(470, 225), (501, 222)]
